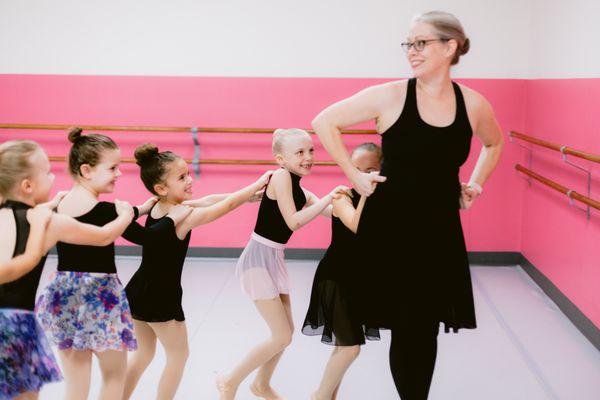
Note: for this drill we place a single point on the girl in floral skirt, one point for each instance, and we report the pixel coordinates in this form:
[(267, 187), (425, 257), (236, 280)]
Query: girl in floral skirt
[(84, 309)]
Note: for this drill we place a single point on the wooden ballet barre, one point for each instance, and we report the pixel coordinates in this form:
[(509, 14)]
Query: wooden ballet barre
[(556, 147), (213, 161), (165, 129), (558, 187)]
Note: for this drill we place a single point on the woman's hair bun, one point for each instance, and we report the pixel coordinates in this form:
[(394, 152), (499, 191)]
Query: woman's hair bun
[(465, 47)]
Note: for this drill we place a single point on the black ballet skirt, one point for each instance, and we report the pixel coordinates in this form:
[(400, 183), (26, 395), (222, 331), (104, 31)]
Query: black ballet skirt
[(415, 268), (331, 309), (154, 291)]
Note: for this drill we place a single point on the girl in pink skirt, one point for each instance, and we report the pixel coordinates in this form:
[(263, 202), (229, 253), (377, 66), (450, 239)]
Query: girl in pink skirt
[(285, 207)]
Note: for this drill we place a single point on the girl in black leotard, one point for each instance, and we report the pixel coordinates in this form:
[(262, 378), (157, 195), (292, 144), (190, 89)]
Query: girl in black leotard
[(332, 312), (83, 309), (154, 291), (26, 361), (419, 279), (285, 207)]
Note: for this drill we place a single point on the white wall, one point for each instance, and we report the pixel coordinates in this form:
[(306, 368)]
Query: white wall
[(295, 38), (565, 39)]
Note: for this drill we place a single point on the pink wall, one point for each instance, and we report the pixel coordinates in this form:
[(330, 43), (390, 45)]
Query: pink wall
[(557, 238), (492, 225)]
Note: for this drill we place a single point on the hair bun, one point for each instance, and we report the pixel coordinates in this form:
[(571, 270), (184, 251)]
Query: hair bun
[(465, 47), (74, 134), (145, 153)]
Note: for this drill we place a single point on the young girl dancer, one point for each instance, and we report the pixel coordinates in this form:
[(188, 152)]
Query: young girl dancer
[(84, 309), (26, 360), (155, 291), (331, 312), (285, 207)]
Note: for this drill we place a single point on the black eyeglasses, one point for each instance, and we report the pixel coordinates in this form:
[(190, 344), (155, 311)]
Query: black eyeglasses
[(420, 44)]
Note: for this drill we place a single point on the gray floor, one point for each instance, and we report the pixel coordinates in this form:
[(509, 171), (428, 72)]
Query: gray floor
[(524, 348)]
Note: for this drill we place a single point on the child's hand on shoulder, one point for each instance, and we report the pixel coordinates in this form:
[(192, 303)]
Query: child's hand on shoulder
[(264, 179), (147, 206), (257, 196), (123, 208), (40, 216), (340, 191), (53, 204)]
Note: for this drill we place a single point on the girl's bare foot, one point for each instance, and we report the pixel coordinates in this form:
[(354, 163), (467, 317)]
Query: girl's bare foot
[(267, 393), (226, 392)]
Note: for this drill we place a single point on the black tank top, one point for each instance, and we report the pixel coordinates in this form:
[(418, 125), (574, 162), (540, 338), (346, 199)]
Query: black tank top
[(420, 271), (270, 224), (410, 145), (72, 257), (20, 294)]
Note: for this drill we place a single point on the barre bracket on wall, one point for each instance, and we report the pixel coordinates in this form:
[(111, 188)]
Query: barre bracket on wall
[(196, 159), (565, 151)]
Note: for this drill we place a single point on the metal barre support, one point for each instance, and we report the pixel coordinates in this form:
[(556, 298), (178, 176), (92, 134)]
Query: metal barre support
[(196, 159), (588, 173), (529, 155)]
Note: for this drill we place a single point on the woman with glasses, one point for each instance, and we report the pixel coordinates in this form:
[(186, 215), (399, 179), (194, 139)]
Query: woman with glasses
[(415, 272)]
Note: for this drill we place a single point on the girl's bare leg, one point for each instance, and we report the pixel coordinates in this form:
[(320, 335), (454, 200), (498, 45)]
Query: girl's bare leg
[(113, 365), (275, 315), (141, 358), (173, 336), (77, 370)]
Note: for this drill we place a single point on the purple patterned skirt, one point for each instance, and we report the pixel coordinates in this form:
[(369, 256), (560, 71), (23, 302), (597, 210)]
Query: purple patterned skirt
[(84, 310), (26, 360)]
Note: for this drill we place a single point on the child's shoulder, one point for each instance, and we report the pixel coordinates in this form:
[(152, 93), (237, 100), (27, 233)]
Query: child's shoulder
[(281, 175)]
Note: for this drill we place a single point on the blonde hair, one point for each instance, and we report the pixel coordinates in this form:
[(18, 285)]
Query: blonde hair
[(448, 27), (15, 164), (280, 135)]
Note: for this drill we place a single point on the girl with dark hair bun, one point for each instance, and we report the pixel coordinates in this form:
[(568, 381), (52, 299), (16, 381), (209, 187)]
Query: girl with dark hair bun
[(154, 291)]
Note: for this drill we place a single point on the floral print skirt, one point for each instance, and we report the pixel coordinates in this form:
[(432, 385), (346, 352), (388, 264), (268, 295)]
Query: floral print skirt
[(26, 359), (84, 310)]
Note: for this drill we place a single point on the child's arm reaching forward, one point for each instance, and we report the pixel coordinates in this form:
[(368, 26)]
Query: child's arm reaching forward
[(281, 186), (66, 229), (311, 198), (204, 215), (206, 201), (345, 211), (211, 199), (20, 265)]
